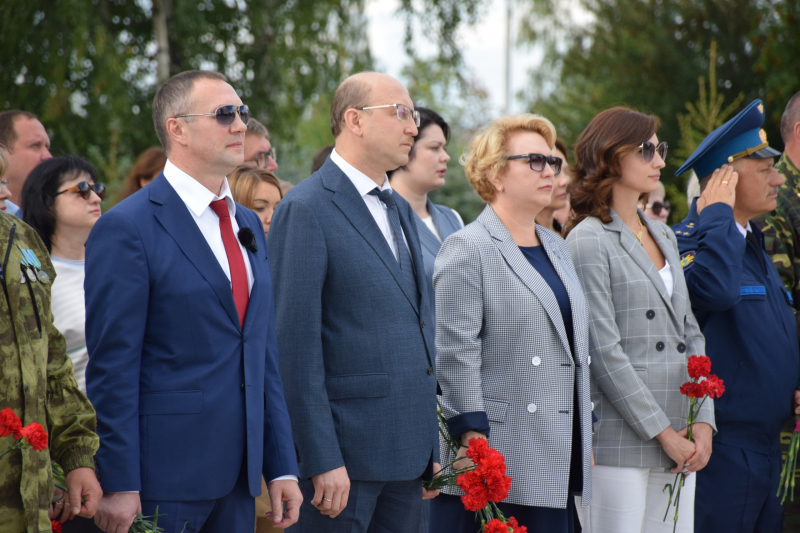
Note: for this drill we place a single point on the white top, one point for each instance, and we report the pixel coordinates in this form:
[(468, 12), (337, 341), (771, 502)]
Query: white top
[(69, 312), (742, 229), (428, 220), (198, 199), (666, 276), (378, 209)]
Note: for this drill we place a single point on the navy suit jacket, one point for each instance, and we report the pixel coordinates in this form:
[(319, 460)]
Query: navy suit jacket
[(183, 394), (357, 347)]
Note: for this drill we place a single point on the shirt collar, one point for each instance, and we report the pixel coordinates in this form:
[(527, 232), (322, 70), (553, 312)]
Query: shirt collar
[(362, 182), (742, 229), (196, 197)]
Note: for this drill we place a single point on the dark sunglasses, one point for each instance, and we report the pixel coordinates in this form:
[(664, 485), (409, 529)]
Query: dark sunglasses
[(538, 161), (656, 207), (85, 189), (649, 150), (225, 114)]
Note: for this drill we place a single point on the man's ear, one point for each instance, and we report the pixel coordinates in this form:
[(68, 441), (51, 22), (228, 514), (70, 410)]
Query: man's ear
[(177, 131), (353, 122)]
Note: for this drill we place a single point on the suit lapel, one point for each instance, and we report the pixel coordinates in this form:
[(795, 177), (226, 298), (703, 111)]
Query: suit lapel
[(258, 284), (631, 245), (174, 217), (524, 271), (427, 239), (352, 206)]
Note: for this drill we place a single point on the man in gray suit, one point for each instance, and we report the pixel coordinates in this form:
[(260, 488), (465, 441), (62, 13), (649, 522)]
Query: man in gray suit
[(355, 328)]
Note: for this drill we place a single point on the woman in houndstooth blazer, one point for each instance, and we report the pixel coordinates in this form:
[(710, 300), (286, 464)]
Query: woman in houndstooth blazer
[(512, 337), (641, 329)]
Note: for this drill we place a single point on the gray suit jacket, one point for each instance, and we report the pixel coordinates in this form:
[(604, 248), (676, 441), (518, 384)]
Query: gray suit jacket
[(639, 340), (503, 351)]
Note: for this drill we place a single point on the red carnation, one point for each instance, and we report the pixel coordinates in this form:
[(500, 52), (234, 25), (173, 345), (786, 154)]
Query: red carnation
[(714, 386), (10, 423), (516, 528), (693, 390), (496, 526), (699, 366), (55, 525), (36, 435)]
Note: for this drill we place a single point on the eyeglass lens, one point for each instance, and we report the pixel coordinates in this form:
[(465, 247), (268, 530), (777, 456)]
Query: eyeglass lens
[(226, 114), (85, 190), (404, 113), (537, 162), (657, 207), (649, 150)]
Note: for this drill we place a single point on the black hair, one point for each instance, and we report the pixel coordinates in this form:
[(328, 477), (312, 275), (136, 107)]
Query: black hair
[(427, 117), (41, 186)]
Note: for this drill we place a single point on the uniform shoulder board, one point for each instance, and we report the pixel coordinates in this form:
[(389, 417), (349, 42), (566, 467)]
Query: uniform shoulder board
[(685, 229), (687, 260)]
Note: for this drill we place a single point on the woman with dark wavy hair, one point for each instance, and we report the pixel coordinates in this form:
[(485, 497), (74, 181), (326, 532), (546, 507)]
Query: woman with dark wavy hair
[(641, 329)]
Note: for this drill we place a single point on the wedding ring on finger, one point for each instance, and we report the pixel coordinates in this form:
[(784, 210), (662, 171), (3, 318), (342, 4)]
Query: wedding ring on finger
[(724, 182), (327, 499)]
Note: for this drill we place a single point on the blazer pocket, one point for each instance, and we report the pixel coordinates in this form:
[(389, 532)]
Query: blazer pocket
[(171, 403), (358, 386), (641, 371), (496, 410)]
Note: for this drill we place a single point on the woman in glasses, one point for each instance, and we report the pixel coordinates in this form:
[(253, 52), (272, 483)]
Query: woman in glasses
[(257, 189), (642, 329), (656, 207), (512, 335), (560, 200), (424, 172), (61, 201)]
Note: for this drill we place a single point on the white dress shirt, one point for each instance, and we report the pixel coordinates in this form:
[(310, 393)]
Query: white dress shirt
[(742, 229), (378, 209), (198, 199)]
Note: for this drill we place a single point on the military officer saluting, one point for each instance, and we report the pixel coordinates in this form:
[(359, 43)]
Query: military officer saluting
[(746, 316), (36, 382)]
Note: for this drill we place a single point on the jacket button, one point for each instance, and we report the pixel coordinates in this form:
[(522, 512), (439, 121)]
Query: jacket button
[(592, 406), (531, 407), (536, 360), (242, 387), (589, 360), (681, 348), (423, 324), (245, 339), (650, 314), (430, 371), (660, 346)]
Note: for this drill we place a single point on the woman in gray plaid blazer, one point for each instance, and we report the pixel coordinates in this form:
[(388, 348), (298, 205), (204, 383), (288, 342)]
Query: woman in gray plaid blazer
[(641, 329), (512, 337)]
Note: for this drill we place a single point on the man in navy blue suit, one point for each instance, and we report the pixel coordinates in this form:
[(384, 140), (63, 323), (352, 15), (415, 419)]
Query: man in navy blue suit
[(355, 324), (183, 368)]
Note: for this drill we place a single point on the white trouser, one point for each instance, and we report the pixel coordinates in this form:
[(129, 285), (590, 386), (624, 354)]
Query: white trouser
[(633, 500)]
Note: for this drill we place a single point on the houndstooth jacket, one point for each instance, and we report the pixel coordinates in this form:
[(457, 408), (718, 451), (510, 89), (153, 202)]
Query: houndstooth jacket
[(639, 340), (503, 351)]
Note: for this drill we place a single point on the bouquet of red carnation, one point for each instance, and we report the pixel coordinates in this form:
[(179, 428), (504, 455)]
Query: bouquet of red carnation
[(484, 482), (701, 385), (32, 435), (789, 467), (55, 525)]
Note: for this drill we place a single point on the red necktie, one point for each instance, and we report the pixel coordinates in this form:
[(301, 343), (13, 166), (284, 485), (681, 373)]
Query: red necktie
[(241, 294)]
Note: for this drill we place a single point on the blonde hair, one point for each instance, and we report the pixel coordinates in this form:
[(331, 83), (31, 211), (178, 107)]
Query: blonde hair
[(244, 180), (489, 148)]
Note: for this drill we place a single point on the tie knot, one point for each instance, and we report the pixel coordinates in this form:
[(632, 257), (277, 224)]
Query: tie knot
[(220, 207), (384, 195)]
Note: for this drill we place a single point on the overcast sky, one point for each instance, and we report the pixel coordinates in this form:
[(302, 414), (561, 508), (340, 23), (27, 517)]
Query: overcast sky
[(483, 47)]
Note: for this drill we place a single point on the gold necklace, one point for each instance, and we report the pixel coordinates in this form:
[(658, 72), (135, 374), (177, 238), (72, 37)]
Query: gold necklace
[(639, 233)]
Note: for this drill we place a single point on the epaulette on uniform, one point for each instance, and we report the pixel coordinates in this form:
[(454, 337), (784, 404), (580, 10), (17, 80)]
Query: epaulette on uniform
[(685, 229)]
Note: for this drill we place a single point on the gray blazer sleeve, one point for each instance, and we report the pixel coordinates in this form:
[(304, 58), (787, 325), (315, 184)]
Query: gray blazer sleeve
[(696, 344), (459, 318), (611, 367)]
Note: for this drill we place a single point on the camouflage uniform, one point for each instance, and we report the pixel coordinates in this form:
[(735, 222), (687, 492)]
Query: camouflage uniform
[(781, 229), (36, 381)]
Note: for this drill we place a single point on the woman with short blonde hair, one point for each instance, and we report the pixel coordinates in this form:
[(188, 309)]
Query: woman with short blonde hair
[(257, 189), (512, 335)]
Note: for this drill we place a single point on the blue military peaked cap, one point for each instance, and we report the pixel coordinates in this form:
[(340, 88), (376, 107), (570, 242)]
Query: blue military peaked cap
[(740, 137)]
